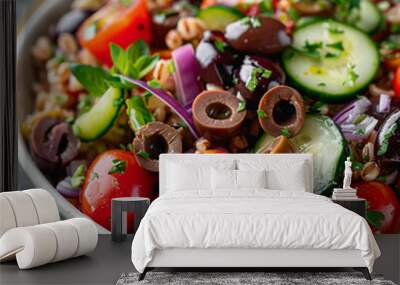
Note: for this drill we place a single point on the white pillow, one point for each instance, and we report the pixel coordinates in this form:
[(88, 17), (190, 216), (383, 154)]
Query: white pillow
[(281, 174), (251, 178), (188, 176), (223, 179)]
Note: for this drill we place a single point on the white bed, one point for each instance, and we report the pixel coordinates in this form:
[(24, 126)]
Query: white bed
[(248, 227)]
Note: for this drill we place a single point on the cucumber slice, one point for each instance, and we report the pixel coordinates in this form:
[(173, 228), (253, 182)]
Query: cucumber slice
[(322, 138), (218, 17), (95, 123), (331, 61), (368, 18)]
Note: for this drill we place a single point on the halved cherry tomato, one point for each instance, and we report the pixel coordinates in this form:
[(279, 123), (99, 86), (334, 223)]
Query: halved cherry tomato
[(392, 62), (114, 173), (396, 82), (115, 23), (207, 3), (382, 199)]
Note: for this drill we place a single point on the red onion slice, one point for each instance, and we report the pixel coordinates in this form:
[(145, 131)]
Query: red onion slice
[(349, 113), (186, 75), (360, 131), (66, 189), (169, 101), (384, 103)]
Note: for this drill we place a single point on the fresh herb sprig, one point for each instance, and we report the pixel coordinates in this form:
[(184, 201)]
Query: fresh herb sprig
[(134, 62)]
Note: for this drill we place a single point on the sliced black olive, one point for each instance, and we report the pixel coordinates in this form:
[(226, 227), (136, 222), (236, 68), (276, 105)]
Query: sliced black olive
[(70, 22), (216, 59), (161, 24), (216, 115), (281, 111), (256, 76), (262, 35), (53, 142), (154, 139)]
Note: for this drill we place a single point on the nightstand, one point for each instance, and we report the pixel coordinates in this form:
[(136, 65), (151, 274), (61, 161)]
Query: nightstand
[(119, 209), (358, 205)]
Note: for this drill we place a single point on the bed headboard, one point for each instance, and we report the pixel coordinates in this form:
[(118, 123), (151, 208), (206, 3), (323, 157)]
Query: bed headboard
[(212, 158)]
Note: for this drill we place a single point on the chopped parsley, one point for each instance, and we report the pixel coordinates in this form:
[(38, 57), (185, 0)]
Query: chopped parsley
[(256, 72), (352, 76), (261, 114), (336, 45), (322, 84), (118, 166), (360, 132), (242, 106), (254, 22), (143, 154), (219, 45), (78, 177), (94, 176), (285, 132), (331, 55), (385, 144), (312, 49)]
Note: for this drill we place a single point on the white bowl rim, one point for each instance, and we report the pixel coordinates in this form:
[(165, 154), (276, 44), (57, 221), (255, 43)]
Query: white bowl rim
[(66, 209)]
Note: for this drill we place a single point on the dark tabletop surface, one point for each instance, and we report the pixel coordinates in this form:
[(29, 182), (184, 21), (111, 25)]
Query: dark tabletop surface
[(102, 266)]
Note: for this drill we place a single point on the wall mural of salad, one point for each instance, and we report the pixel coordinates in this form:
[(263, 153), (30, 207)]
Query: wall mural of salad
[(121, 81)]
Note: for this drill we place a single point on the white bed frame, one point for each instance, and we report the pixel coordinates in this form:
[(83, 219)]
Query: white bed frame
[(249, 258)]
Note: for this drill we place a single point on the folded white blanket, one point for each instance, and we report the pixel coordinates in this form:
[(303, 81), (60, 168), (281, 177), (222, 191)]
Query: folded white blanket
[(40, 244), (256, 218)]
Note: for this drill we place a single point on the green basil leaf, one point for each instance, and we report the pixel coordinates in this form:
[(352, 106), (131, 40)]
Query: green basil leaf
[(136, 50), (145, 64), (93, 79), (119, 59)]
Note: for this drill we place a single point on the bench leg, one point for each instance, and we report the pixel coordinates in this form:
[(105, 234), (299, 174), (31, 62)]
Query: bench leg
[(143, 274), (364, 271)]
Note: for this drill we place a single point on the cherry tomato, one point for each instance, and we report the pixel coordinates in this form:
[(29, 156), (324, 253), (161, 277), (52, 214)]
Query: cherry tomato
[(392, 63), (114, 173), (382, 199), (396, 82), (115, 23), (207, 3)]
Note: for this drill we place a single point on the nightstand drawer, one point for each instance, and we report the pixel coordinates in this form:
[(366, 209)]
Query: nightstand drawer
[(357, 206)]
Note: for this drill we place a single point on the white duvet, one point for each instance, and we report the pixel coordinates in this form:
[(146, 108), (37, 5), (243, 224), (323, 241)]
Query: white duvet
[(256, 218)]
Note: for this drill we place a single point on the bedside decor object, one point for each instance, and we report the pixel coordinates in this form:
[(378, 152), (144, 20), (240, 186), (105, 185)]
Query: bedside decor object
[(346, 193), (347, 174), (46, 243), (356, 205), (119, 209)]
